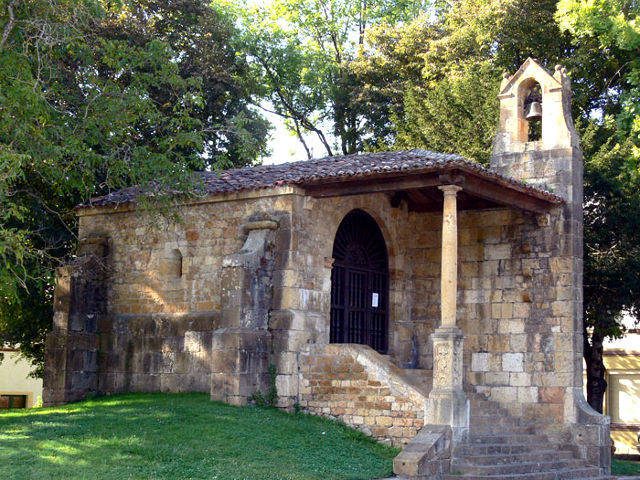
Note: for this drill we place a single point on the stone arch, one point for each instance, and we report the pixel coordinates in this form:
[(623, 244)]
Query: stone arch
[(557, 130), (390, 240), (360, 301), (527, 88)]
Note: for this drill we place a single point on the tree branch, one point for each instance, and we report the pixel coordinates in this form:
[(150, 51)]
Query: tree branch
[(10, 23), (301, 138), (294, 114)]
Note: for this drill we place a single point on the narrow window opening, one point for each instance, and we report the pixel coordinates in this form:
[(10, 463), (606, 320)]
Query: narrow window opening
[(176, 261)]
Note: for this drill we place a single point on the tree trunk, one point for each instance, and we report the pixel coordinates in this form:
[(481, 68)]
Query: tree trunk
[(596, 383)]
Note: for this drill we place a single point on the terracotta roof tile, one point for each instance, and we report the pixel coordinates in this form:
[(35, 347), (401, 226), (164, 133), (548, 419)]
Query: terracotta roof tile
[(338, 168)]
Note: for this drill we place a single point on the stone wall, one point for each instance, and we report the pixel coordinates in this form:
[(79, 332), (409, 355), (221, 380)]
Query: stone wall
[(305, 299), (514, 302), (160, 300), (144, 251), (513, 294), (517, 320), (71, 369), (357, 385), (156, 353)]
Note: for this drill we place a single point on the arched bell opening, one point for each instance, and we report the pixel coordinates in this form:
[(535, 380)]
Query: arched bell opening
[(360, 283), (531, 110)]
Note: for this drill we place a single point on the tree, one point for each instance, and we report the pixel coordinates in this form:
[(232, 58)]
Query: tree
[(205, 46), (96, 96), (612, 147), (302, 51), (466, 44)]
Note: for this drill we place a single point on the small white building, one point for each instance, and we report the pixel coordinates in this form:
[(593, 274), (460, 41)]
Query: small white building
[(622, 399), (17, 388)]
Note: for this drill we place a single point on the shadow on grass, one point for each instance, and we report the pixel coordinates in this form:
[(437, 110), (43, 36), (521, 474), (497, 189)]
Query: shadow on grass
[(182, 436)]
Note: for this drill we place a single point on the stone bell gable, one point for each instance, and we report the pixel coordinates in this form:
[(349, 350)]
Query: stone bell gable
[(553, 158), (425, 299)]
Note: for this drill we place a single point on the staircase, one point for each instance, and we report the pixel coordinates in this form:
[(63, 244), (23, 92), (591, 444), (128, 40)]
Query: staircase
[(500, 447)]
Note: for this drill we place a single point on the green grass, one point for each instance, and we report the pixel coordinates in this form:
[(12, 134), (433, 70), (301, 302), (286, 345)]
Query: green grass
[(182, 436), (625, 467)]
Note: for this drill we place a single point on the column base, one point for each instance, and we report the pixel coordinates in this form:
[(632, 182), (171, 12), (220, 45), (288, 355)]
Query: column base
[(448, 403), (449, 407)]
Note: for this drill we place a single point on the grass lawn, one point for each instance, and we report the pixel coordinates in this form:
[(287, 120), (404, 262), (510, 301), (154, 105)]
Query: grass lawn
[(625, 467), (182, 436)]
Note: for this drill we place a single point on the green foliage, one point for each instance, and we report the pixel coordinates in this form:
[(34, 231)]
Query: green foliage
[(303, 51), (615, 26), (456, 115), (166, 436), (96, 96)]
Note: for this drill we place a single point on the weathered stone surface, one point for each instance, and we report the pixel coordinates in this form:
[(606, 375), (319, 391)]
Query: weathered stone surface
[(480, 362), (427, 455), (512, 362)]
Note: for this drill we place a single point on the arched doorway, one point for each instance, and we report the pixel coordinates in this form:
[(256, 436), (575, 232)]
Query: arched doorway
[(360, 283)]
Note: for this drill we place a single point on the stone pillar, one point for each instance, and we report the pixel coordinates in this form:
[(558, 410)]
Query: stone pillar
[(241, 346), (448, 404)]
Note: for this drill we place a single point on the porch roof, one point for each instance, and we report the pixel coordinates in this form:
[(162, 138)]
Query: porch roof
[(411, 175)]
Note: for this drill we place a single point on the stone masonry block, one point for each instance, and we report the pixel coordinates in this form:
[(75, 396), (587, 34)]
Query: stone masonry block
[(512, 362), (480, 362)]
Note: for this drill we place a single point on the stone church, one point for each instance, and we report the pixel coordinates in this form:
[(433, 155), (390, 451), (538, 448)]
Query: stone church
[(429, 301)]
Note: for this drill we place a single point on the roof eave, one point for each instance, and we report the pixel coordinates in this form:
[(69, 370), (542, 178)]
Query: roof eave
[(491, 187)]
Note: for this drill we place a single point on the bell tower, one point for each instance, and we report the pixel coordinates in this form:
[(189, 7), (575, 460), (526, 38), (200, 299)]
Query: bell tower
[(538, 144), (536, 140)]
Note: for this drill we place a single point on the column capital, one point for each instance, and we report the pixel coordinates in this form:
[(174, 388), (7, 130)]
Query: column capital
[(450, 189)]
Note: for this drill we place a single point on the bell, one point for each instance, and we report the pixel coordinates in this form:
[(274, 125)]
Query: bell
[(534, 112)]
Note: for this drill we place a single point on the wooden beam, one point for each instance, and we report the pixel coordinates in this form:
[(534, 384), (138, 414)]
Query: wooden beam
[(503, 195), (374, 185), (417, 185)]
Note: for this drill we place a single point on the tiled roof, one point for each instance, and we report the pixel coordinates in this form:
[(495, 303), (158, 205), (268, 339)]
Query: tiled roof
[(336, 168)]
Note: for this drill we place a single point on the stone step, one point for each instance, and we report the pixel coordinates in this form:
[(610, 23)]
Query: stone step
[(491, 449), (503, 421), (589, 473), (506, 458), (502, 447), (485, 418), (489, 430), (515, 439), (515, 468)]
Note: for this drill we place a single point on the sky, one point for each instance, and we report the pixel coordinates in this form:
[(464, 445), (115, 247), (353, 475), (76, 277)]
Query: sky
[(285, 146)]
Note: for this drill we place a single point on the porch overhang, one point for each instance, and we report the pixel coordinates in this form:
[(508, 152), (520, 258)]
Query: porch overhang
[(419, 188)]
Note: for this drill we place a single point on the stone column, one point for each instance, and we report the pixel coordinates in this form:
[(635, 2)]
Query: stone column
[(449, 265), (448, 404)]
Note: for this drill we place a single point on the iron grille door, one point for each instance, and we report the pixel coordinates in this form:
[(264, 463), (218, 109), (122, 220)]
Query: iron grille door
[(359, 284)]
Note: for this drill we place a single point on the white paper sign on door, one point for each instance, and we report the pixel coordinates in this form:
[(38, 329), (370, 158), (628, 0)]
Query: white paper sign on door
[(374, 300)]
